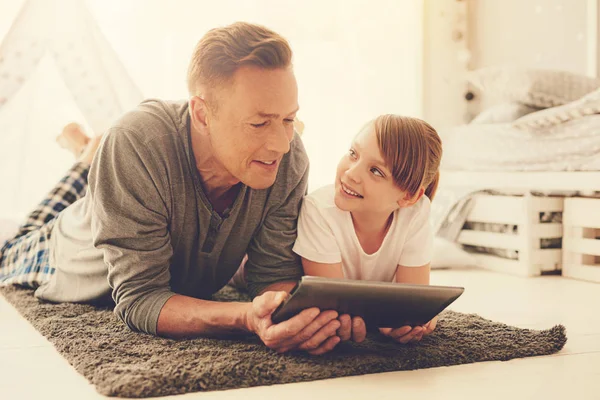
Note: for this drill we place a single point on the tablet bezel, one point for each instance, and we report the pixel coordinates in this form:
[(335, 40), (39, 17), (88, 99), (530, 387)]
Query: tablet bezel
[(378, 303)]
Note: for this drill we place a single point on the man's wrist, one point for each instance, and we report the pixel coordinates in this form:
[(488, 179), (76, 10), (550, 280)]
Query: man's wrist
[(246, 318)]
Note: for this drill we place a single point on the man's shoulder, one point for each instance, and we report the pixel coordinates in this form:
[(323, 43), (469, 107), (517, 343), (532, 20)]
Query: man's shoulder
[(151, 119)]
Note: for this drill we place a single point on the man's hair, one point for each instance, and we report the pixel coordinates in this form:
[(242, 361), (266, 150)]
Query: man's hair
[(412, 150), (221, 51)]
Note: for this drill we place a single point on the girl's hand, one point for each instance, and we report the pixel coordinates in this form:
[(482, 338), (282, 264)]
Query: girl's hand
[(408, 334), (352, 328), (430, 326)]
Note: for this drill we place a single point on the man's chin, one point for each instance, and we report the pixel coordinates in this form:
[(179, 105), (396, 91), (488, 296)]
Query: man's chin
[(259, 183)]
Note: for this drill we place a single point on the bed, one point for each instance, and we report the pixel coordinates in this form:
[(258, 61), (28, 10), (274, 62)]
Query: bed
[(512, 181)]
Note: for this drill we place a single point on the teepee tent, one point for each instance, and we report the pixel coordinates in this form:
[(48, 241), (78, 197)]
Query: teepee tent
[(65, 31), (56, 66)]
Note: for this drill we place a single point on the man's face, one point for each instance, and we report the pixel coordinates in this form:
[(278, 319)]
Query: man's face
[(252, 127)]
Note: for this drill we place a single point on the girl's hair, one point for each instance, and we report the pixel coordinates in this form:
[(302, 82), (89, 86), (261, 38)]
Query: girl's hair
[(412, 149), (221, 51)]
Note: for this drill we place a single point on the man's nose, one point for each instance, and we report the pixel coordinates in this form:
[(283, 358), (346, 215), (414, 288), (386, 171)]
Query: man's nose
[(279, 140)]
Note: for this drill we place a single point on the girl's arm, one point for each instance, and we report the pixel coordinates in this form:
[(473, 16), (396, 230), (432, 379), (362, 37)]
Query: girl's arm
[(416, 275), (321, 269), (420, 276)]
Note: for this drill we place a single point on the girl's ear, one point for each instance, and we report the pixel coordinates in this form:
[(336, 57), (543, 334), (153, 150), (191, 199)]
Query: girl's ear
[(407, 201)]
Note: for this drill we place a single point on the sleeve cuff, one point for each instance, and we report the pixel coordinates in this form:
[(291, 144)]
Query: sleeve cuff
[(144, 315), (325, 258), (414, 261)]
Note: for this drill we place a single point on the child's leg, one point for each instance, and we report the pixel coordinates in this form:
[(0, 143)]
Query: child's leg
[(72, 186), (68, 190), (24, 259)]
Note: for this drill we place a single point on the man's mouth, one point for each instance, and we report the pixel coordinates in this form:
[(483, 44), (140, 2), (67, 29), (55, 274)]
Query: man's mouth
[(268, 165), (351, 192)]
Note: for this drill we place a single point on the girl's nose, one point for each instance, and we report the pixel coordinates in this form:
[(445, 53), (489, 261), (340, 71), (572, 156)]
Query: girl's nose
[(353, 174)]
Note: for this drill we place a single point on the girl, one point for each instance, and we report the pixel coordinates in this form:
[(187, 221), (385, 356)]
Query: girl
[(373, 222)]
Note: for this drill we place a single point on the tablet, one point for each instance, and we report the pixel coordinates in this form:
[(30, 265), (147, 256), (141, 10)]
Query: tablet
[(380, 304)]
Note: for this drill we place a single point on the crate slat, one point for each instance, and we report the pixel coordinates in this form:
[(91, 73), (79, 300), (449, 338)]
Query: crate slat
[(497, 209), (582, 271), (578, 213), (490, 239), (547, 204), (547, 257), (524, 212), (547, 230), (583, 246)]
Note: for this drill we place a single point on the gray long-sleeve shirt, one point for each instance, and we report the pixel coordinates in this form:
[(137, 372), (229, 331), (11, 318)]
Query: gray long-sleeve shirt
[(145, 229)]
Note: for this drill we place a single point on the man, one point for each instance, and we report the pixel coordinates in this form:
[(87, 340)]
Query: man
[(178, 193)]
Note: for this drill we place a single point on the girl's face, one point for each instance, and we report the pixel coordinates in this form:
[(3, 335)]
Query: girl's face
[(363, 182)]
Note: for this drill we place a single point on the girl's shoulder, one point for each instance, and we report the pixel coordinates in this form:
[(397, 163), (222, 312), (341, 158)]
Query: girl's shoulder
[(322, 198), (322, 201), (419, 210)]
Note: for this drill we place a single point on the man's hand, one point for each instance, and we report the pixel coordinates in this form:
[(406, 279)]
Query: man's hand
[(352, 328), (310, 330), (408, 334)]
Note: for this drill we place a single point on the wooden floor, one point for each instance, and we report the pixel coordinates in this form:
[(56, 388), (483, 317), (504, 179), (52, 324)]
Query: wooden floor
[(30, 368)]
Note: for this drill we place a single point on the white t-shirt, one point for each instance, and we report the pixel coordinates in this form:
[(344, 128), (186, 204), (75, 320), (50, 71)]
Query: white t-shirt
[(326, 235)]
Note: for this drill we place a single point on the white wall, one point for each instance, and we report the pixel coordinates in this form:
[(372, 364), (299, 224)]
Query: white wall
[(549, 34), (530, 33), (354, 59)]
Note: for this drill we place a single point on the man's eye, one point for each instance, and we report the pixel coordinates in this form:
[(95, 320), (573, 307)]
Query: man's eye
[(288, 121), (259, 125), (376, 172)]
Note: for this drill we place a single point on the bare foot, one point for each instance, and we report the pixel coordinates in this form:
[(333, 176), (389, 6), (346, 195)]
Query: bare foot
[(73, 139), (87, 155)]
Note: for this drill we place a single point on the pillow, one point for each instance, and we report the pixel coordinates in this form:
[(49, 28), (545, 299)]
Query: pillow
[(447, 254), (587, 105), (503, 113), (533, 87)]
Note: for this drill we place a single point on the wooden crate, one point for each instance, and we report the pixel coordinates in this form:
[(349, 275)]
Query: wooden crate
[(581, 239), (523, 212)]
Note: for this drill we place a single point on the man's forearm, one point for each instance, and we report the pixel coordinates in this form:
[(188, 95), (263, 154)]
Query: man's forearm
[(184, 316)]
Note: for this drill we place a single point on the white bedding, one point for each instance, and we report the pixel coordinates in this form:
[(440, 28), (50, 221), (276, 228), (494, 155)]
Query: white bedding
[(570, 146), (8, 228)]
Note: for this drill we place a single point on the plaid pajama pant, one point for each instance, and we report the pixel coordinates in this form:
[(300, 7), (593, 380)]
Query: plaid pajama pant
[(24, 259)]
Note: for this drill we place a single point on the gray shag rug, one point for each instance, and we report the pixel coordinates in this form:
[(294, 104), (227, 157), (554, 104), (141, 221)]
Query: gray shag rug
[(126, 364)]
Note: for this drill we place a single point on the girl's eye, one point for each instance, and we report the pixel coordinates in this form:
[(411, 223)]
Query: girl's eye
[(259, 125), (352, 153), (376, 172)]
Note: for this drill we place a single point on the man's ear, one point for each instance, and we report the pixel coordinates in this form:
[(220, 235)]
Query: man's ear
[(199, 115), (408, 201)]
